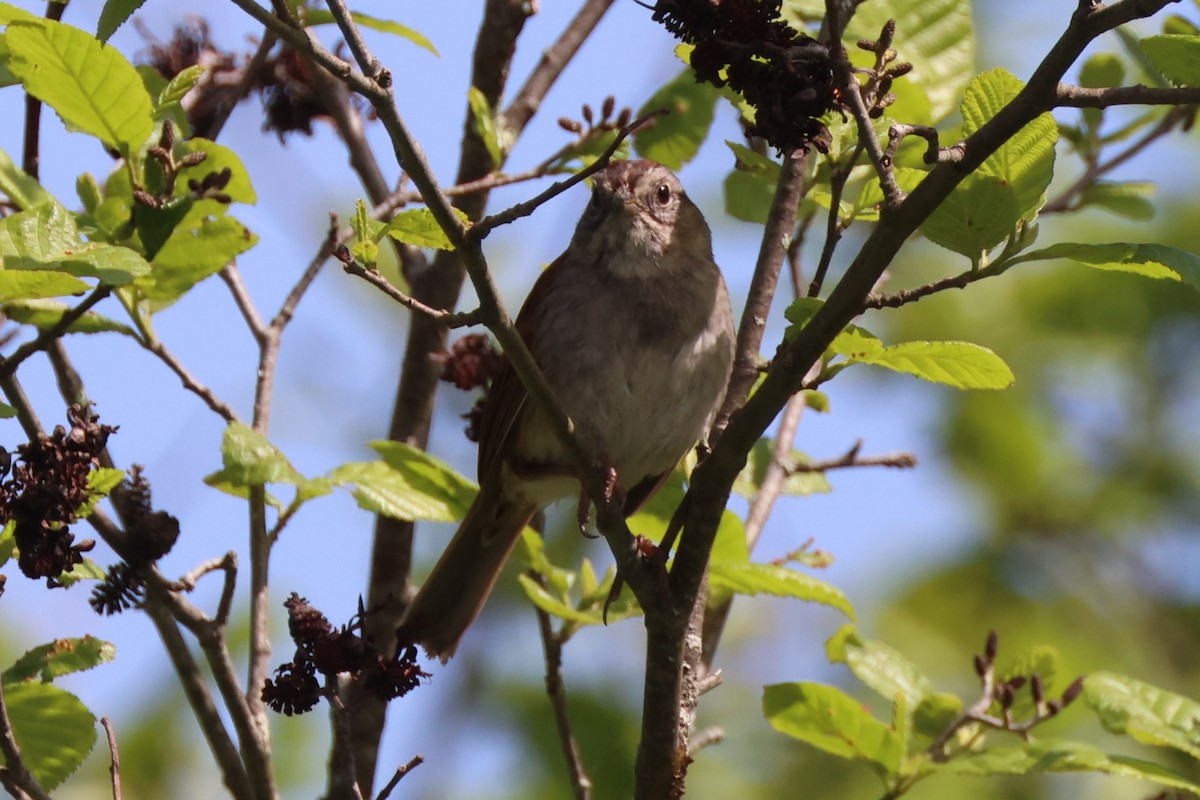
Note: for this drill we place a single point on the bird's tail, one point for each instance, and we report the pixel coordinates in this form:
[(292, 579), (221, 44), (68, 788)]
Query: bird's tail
[(463, 577)]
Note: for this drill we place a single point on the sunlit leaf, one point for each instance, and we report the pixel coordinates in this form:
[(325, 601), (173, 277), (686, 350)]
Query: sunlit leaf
[(21, 189), (1149, 260), (1147, 713), (831, 720), (884, 669), (192, 254), (673, 140), (779, 581), (1176, 56), (60, 657), (1056, 755), (959, 364), (92, 87), (418, 227), (53, 729)]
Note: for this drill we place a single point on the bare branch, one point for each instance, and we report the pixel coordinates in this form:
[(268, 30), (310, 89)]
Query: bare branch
[(581, 785), (833, 224), (1169, 121), (151, 343), (781, 223), (488, 224), (412, 764), (850, 459), (241, 298), (554, 60), (451, 319), (114, 769), (43, 340), (1069, 96)]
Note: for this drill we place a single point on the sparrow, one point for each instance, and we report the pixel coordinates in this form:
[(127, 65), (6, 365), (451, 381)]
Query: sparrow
[(633, 330)]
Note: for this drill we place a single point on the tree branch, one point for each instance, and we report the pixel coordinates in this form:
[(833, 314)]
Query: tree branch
[(1070, 96), (581, 785), (114, 769)]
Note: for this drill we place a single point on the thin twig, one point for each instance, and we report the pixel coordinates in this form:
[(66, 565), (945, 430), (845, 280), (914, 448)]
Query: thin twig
[(581, 784), (849, 460), (451, 319), (893, 195), (777, 235), (1064, 201), (114, 769), (714, 734), (241, 298), (553, 61), (222, 409), (43, 340), (239, 91), (833, 222), (412, 764), (488, 224)]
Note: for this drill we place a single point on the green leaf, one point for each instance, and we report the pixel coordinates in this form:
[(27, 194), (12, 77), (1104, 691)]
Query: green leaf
[(831, 720), (1056, 755), (936, 37), (219, 157), (959, 364), (408, 484), (418, 227), (779, 581), (114, 14), (675, 139), (1127, 199), (191, 254), (428, 473), (879, 666), (92, 87), (88, 570), (555, 607), (6, 76), (321, 16), (9, 13), (53, 729), (750, 479), (8, 541), (1025, 163), (380, 489), (1149, 260), (483, 122), (89, 192), (22, 285), (176, 89), (748, 195), (248, 459), (977, 216), (1146, 713), (1176, 56), (60, 657), (21, 189), (936, 712), (39, 235), (1102, 71)]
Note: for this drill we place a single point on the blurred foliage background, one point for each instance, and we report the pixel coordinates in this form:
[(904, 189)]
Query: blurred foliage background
[(1063, 511)]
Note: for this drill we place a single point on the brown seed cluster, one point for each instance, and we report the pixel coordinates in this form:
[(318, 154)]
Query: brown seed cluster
[(44, 492), (150, 535), (324, 650), (471, 362), (785, 75), (284, 81)]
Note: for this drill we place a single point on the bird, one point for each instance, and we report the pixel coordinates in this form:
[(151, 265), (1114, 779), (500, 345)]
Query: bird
[(633, 330)]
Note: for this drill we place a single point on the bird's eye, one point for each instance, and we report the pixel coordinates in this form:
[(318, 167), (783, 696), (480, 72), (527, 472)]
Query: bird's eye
[(662, 194)]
